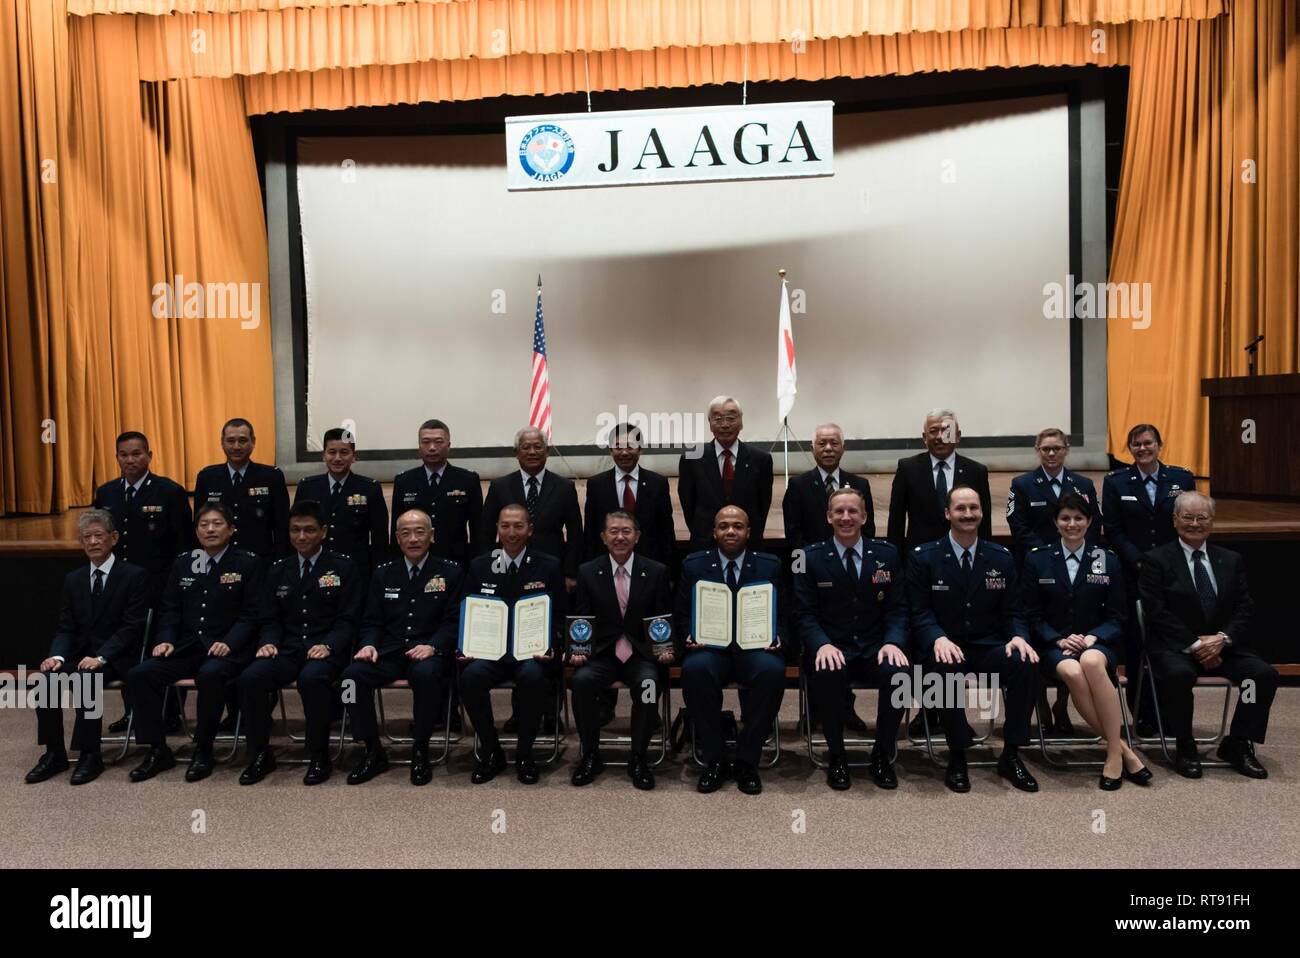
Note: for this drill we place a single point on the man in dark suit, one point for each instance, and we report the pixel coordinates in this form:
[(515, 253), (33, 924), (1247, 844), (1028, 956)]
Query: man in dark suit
[(312, 606), (620, 590), (352, 507), (725, 472), (102, 613), (707, 670), (1198, 609), (409, 631), (632, 488), (966, 617), (452, 496), (922, 482), (551, 502), (254, 493), (512, 572), (804, 507), (211, 612), (851, 615)]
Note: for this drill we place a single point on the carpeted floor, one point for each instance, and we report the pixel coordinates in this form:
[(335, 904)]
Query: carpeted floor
[(1223, 820)]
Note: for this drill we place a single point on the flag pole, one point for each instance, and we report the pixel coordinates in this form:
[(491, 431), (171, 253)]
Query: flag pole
[(785, 421)]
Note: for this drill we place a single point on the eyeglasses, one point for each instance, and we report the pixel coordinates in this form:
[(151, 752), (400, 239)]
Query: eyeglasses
[(1198, 520), (728, 419), (1051, 450)]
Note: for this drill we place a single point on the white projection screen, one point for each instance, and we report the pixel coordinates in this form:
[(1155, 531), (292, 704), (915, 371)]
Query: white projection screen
[(919, 266)]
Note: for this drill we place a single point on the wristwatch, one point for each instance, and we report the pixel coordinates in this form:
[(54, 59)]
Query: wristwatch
[(101, 660)]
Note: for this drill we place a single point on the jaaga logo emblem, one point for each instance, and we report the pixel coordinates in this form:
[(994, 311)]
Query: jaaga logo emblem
[(546, 152)]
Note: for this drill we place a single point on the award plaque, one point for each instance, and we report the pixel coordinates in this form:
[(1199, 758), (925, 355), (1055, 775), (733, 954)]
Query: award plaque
[(756, 615), (579, 634), (532, 626), (484, 627), (711, 614), (659, 630)]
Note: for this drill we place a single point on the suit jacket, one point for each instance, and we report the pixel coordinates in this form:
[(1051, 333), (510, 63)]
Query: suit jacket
[(323, 610), (223, 604), (915, 512), (980, 610), (1092, 604), (804, 508), (1172, 609), (857, 617), (699, 489), (648, 595), (654, 511), (540, 573), (456, 510), (1031, 508), (757, 567), (153, 528), (400, 613), (557, 528), (261, 510), (113, 627), (1134, 526), (357, 517)]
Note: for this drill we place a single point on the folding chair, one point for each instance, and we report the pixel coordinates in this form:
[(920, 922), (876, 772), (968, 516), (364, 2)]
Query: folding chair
[(446, 740), (772, 744), (301, 739), (555, 741), (119, 685), (816, 741), (1059, 742), (231, 739), (658, 741), (982, 740)]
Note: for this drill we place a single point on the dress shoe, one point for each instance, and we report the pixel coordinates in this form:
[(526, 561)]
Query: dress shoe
[(882, 770), (159, 759), (487, 768), (511, 725), (837, 773), (853, 721), (1013, 770), (47, 766), (711, 779), (1107, 784), (957, 778), (589, 766), (373, 763), (318, 770), (262, 765), (201, 765), (1240, 754), (1187, 762), (118, 727), (90, 765), (421, 767), (747, 779), (1063, 728), (638, 769), (1141, 777), (526, 771)]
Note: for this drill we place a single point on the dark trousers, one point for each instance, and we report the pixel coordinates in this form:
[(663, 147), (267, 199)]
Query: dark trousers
[(1176, 674), (532, 691), (428, 680), (641, 677), (147, 685), (259, 682), (827, 687), (86, 731), (1017, 678), (761, 676)]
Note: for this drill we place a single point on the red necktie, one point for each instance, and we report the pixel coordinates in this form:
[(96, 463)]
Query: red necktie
[(629, 500), (728, 473)]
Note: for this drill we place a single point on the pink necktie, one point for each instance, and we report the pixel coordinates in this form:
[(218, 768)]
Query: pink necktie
[(622, 648)]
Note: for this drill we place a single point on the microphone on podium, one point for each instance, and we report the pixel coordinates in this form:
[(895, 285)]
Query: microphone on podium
[(1252, 347)]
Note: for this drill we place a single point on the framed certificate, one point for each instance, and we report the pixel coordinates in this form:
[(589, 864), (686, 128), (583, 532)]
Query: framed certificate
[(756, 615), (531, 626), (711, 622), (484, 627)]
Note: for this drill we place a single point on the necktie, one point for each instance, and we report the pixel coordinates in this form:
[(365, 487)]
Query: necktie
[(965, 562), (731, 574), (629, 498), (1056, 488), (512, 569), (237, 482), (97, 589), (306, 570), (1073, 570), (830, 485), (532, 499), (130, 494), (338, 489), (622, 648), (941, 483), (415, 572), (728, 473), (1151, 489), (850, 563), (1204, 587), (434, 480)]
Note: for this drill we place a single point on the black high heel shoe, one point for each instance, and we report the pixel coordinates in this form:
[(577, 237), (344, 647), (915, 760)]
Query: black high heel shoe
[(1109, 784), (1141, 777)]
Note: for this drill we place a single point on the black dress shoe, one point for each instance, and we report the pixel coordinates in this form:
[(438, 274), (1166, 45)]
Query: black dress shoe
[(638, 769), (1063, 728), (1240, 754), (526, 771), (711, 779), (375, 762), (487, 767), (421, 767), (882, 770), (47, 766), (589, 766), (90, 765), (318, 770), (511, 725), (1109, 784), (957, 778), (853, 721), (1187, 761), (159, 759), (747, 779), (201, 765), (837, 773), (119, 726), (1013, 770), (1141, 777), (262, 765)]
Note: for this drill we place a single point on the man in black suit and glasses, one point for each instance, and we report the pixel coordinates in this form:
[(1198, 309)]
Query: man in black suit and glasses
[(1197, 610), (724, 472)]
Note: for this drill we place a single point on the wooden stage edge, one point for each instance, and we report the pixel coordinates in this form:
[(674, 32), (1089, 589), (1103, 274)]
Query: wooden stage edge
[(1237, 519)]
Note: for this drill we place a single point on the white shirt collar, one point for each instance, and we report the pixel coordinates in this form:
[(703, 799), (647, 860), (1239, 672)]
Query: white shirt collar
[(614, 566), (410, 565), (718, 447), (1059, 477), (1083, 547), (137, 485), (739, 560), (823, 473), (430, 473), (216, 558), (958, 548), (635, 473), (236, 472), (330, 480), (312, 558), (540, 477), (106, 568), (1154, 472), (841, 548), (1188, 550), (517, 560)]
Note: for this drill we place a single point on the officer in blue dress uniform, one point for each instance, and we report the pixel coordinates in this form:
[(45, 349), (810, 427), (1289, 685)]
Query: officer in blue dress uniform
[(352, 505)]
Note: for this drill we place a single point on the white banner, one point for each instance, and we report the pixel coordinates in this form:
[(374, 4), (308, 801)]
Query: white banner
[(698, 144)]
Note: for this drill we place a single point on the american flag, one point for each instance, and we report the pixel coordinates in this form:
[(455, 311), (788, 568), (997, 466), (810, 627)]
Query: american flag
[(539, 394)]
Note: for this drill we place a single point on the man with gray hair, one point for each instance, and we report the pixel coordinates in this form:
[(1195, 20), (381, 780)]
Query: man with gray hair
[(922, 482), (1197, 611), (725, 472)]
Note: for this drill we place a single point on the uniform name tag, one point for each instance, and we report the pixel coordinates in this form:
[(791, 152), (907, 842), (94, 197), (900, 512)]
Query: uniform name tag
[(1129, 498), (186, 581), (1047, 582), (939, 587), (825, 585), (1043, 503)]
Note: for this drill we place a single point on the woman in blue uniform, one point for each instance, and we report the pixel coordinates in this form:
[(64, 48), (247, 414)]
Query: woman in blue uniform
[(1074, 599)]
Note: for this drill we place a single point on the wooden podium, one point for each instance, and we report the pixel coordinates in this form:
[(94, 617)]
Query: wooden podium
[(1268, 468)]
